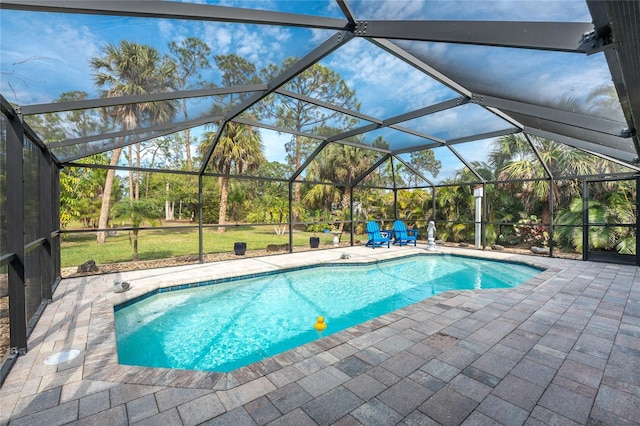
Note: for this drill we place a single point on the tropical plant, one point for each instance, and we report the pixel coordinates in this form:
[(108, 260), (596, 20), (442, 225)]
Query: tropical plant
[(80, 190), (136, 212), (529, 231), (514, 159), (454, 207), (269, 199), (616, 208), (238, 147), (413, 205)]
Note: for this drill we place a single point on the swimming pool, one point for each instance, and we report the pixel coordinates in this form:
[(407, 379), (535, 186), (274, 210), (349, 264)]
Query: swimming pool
[(221, 326)]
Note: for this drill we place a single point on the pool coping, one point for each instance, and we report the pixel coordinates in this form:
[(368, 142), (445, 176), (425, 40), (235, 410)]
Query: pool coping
[(101, 357)]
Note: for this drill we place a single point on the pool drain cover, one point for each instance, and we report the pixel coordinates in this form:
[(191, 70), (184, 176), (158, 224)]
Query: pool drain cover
[(61, 357)]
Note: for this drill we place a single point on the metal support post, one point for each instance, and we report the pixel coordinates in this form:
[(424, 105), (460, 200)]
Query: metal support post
[(585, 219), (291, 216), (45, 220), (15, 236), (478, 192), (200, 221), (551, 213)]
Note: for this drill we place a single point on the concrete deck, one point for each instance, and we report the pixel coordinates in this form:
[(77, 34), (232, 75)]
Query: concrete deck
[(562, 349)]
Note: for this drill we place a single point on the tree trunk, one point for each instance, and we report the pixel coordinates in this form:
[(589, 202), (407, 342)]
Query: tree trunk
[(130, 161), (546, 215), (103, 222), (222, 214), (346, 197), (187, 135), (168, 206), (298, 163), (135, 244), (137, 188)]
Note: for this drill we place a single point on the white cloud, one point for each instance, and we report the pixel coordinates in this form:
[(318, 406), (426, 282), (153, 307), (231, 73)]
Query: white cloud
[(388, 9), (259, 45), (513, 10), (46, 62), (219, 38), (167, 29), (384, 84)]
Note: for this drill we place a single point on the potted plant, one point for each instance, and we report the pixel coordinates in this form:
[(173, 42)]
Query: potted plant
[(240, 248)]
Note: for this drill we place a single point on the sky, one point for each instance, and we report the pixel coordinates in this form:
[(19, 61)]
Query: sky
[(44, 54)]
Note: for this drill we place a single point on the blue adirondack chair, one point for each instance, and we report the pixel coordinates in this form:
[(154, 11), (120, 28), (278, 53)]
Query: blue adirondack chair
[(402, 235), (376, 239)]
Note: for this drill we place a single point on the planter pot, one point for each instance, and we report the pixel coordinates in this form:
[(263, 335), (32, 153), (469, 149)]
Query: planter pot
[(240, 248), (314, 242)]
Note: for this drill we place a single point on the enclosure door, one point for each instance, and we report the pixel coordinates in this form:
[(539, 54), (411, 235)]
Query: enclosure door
[(610, 221)]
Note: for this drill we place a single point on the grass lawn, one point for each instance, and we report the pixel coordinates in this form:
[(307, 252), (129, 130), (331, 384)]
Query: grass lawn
[(166, 243)]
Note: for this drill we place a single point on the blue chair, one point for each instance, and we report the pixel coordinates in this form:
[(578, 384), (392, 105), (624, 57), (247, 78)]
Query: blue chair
[(402, 235), (376, 239)]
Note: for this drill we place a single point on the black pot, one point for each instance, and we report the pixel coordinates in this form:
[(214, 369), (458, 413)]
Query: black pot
[(240, 248), (314, 242)]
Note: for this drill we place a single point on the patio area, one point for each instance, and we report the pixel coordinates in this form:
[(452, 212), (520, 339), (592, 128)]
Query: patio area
[(562, 348)]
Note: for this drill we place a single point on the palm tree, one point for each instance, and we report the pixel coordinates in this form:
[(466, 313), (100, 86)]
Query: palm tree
[(337, 163), (239, 150), (131, 69), (513, 158), (137, 212), (347, 163)]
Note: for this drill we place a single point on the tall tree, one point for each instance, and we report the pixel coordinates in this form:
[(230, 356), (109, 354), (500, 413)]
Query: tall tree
[(425, 161), (320, 83), (341, 164), (239, 149), (131, 69), (191, 56)]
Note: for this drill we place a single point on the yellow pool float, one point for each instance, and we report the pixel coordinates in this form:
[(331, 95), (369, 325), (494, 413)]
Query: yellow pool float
[(320, 324)]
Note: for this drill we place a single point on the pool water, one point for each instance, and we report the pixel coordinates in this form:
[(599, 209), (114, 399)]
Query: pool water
[(228, 325)]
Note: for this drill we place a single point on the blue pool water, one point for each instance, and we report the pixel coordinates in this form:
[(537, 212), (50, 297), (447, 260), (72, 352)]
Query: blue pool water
[(228, 325)]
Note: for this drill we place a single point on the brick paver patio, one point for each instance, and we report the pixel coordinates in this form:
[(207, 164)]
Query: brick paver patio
[(561, 349)]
